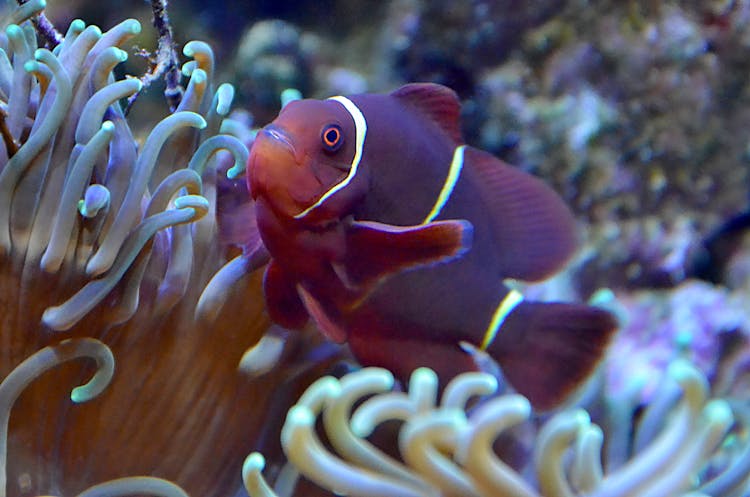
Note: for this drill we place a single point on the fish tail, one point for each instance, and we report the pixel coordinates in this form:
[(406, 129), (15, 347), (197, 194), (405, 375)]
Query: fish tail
[(546, 350)]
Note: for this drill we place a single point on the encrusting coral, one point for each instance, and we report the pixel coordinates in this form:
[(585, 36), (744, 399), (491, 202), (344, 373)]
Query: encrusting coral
[(447, 447)]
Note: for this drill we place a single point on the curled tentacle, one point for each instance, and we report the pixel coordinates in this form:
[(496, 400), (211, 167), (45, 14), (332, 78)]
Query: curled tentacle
[(304, 450), (554, 439), (427, 443), (422, 396), (475, 453), (360, 451), (96, 106), (44, 360), (252, 476), (461, 388), (128, 213), (103, 65)]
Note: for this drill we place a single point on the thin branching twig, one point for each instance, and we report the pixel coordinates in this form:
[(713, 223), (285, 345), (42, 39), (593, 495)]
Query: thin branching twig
[(166, 61)]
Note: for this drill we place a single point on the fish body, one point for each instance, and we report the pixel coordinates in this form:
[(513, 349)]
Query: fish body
[(396, 238)]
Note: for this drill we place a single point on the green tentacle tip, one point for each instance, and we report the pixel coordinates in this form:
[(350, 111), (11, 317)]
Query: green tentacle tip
[(255, 462), (681, 370), (77, 25), (134, 26), (323, 389), (290, 95), (122, 55), (139, 85), (188, 68), (95, 199), (423, 375), (235, 171), (13, 30), (80, 394), (683, 340), (199, 76), (200, 122), (189, 50), (582, 418), (300, 416), (383, 377), (40, 54), (492, 384), (86, 392), (225, 94), (719, 412), (31, 66)]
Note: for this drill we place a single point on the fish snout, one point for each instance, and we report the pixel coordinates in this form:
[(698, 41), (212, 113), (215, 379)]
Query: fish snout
[(277, 171), (272, 153)]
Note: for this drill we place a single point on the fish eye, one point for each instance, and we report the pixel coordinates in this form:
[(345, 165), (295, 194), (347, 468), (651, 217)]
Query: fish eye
[(332, 138)]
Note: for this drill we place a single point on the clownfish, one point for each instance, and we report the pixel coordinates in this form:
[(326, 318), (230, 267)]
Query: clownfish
[(382, 226)]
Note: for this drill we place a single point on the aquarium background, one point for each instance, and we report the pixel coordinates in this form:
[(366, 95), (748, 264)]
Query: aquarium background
[(636, 113)]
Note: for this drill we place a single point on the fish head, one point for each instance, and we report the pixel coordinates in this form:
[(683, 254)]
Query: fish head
[(302, 163)]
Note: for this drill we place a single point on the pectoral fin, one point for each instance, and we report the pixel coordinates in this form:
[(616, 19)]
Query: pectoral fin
[(375, 250)]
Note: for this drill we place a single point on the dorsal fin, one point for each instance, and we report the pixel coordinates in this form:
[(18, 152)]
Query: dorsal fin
[(533, 230), (439, 103)]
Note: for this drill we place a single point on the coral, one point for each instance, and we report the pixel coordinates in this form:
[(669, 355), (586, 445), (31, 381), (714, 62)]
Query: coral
[(447, 447), (687, 321), (271, 57)]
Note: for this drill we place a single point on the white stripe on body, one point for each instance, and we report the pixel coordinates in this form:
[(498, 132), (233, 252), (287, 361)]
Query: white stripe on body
[(510, 302), (454, 172)]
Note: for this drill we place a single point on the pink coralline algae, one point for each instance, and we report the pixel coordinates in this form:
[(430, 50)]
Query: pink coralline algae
[(692, 320)]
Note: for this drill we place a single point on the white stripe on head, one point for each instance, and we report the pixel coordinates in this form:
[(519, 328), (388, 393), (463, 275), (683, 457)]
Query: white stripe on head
[(454, 171), (360, 127)]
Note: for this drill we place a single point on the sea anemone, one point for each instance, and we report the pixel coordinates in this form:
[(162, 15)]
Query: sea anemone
[(447, 449), (110, 236)]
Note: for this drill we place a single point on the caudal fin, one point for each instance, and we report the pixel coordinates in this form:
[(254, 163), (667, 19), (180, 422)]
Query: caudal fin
[(546, 350)]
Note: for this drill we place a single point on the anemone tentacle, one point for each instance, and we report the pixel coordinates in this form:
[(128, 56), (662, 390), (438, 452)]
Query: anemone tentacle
[(449, 449), (78, 183)]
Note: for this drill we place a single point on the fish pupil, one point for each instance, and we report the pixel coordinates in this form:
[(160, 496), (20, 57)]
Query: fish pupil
[(332, 138)]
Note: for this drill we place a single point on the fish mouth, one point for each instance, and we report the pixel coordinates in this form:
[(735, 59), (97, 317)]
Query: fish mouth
[(279, 136)]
